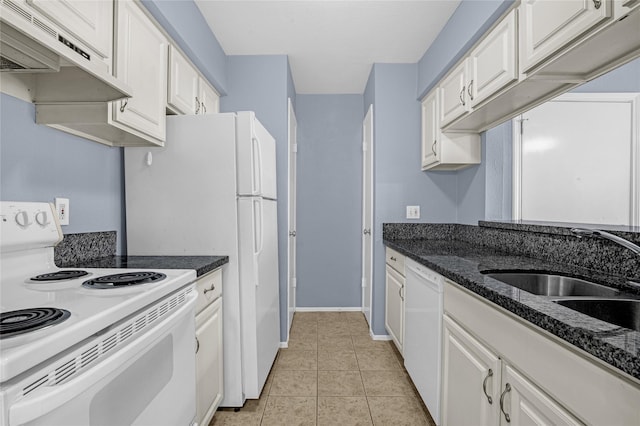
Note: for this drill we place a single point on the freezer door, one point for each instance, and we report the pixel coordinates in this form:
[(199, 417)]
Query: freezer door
[(259, 290), (256, 153)]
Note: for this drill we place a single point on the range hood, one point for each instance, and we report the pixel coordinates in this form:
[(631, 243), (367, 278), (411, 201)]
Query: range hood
[(63, 70)]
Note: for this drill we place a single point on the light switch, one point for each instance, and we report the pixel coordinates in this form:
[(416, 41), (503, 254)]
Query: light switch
[(413, 212)]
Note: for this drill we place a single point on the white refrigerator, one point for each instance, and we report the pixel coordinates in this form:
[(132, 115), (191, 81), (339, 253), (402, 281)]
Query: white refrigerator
[(211, 190)]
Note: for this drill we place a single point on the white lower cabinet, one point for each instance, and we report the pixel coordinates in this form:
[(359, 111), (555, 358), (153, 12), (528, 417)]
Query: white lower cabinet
[(470, 379), (394, 297), (209, 349), (394, 306), (498, 369)]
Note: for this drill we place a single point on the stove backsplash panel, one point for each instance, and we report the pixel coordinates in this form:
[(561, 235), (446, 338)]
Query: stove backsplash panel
[(75, 248)]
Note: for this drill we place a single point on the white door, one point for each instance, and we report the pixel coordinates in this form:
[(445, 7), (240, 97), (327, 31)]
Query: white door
[(183, 84), (522, 403), (259, 290), (546, 26), (591, 168), (209, 367), (453, 95), (394, 306), (430, 129), (470, 379), (291, 216), (141, 62), (493, 64), (90, 21), (256, 157), (367, 212)]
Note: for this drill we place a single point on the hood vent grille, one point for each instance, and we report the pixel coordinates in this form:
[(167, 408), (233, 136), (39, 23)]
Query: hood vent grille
[(17, 9)]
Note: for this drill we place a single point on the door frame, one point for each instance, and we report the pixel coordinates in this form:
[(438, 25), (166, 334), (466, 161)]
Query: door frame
[(631, 97), (367, 147), (292, 149)]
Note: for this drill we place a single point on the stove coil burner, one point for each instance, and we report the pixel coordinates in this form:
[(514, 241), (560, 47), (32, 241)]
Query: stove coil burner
[(60, 275), (14, 323), (123, 280)]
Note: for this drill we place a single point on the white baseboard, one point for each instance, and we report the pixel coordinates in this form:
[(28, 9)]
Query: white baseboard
[(329, 309), (284, 345), (379, 336)]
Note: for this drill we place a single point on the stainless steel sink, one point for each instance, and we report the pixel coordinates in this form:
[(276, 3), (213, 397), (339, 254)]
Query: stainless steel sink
[(553, 285), (622, 312)]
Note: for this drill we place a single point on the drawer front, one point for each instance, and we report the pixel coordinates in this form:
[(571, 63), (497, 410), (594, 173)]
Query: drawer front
[(209, 288), (395, 260)]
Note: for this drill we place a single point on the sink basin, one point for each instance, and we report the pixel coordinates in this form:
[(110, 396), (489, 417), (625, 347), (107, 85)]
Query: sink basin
[(553, 285), (622, 312)]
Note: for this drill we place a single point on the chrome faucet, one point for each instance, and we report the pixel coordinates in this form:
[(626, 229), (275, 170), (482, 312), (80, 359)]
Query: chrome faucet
[(583, 232)]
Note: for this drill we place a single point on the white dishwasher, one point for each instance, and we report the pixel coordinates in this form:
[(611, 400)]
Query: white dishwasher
[(423, 332)]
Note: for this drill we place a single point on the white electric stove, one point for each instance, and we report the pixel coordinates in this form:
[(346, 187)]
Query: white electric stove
[(77, 343)]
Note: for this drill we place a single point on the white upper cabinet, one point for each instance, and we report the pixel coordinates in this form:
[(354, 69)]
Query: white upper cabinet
[(548, 25), (454, 99), (445, 151), (141, 62), (209, 99), (493, 63), (90, 21), (430, 129), (183, 84), (189, 93)]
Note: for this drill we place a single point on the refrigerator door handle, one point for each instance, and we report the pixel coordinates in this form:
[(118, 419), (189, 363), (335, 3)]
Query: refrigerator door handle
[(257, 166), (258, 236)]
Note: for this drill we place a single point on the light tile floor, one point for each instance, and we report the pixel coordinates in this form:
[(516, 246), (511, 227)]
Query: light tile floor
[(333, 373)]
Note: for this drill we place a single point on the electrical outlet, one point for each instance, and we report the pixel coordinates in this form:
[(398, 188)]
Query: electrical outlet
[(413, 212), (62, 209)]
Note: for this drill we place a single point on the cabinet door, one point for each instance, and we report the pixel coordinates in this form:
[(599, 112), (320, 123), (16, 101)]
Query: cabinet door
[(209, 99), (471, 379), (141, 62), (394, 306), (525, 404), (493, 64), (453, 95), (90, 21), (183, 84), (546, 26), (430, 130), (209, 369)]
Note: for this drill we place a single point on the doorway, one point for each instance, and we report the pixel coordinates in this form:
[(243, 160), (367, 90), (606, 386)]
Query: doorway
[(291, 214), (367, 213)]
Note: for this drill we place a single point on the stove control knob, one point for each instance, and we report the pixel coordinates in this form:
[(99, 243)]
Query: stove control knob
[(22, 219), (42, 218)]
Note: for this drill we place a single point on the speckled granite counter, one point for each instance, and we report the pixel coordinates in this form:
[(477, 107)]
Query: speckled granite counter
[(464, 263), (202, 264)]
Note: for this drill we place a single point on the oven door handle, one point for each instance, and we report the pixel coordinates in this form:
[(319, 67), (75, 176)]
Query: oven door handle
[(47, 398)]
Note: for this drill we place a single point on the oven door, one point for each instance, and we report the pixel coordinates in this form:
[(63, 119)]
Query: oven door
[(149, 381)]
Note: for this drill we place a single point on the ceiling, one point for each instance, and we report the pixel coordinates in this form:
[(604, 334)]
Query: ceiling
[(331, 44)]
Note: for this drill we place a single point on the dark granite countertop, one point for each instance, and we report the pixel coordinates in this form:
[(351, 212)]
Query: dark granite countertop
[(464, 263), (202, 264)]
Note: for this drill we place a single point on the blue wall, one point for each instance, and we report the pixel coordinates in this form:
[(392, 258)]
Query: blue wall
[(329, 200), (261, 84), (39, 163), (398, 180), (186, 25), (467, 24)]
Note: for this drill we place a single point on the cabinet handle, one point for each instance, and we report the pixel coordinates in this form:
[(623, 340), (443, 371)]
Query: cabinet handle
[(597, 3), (393, 258), (470, 90), (197, 105), (124, 105), (204, 108), (207, 290), (400, 293), (484, 386), (462, 96), (197, 345), (433, 147), (507, 388)]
